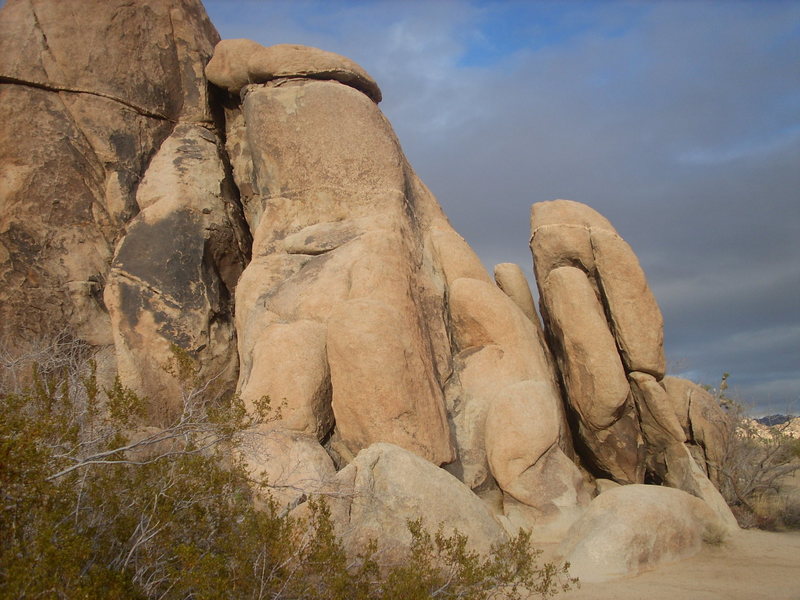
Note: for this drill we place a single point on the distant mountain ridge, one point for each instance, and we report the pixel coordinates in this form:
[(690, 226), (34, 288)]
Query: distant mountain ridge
[(777, 419)]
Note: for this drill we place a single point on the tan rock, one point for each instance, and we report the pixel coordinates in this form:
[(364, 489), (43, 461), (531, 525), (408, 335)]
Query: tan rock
[(567, 212), (635, 317), (321, 142), (320, 238), (710, 429), (261, 280), (340, 249), (503, 376), (683, 473), (71, 161), (680, 393), (477, 375), (554, 246), (619, 449), (510, 278), (455, 257), (660, 425), (548, 526), (290, 366), (668, 455), (173, 274), (706, 422), (522, 431), (586, 352), (289, 60), (480, 376), (499, 348), (632, 528), (604, 321), (482, 315), (149, 60), (239, 62), (566, 233), (603, 485), (390, 486), (294, 466), (241, 160), (560, 235), (228, 66), (382, 390), (522, 424)]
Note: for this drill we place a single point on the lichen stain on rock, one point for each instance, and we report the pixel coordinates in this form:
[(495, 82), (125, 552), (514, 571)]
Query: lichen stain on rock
[(167, 255)]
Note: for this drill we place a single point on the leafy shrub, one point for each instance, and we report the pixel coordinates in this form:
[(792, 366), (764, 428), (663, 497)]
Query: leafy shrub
[(94, 508)]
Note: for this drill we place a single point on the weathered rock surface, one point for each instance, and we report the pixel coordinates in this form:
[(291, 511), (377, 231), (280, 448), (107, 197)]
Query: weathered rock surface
[(300, 397), (390, 486), (667, 454), (503, 377), (566, 233), (173, 274), (593, 375), (237, 63), (228, 66), (94, 115), (294, 466), (632, 528), (704, 422), (605, 327), (341, 250), (510, 278), (635, 318)]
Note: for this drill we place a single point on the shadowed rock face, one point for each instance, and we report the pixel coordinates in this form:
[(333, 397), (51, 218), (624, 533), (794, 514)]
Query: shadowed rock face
[(116, 221), (174, 271), (270, 226), (86, 97)]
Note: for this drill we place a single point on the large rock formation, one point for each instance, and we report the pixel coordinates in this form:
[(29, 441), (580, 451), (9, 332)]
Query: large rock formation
[(266, 223), (117, 222), (94, 114), (607, 333)]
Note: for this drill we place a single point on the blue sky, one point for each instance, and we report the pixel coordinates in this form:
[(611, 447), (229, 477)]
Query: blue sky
[(679, 121)]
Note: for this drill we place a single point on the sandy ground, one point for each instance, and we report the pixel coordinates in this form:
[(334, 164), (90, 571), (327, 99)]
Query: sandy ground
[(752, 565)]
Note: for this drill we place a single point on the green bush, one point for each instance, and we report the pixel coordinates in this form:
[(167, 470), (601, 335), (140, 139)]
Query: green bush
[(91, 509)]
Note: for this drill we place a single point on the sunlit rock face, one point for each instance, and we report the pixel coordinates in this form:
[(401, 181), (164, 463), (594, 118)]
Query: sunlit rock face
[(252, 207)]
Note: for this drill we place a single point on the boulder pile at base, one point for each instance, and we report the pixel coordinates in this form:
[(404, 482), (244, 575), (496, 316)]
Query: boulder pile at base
[(252, 206)]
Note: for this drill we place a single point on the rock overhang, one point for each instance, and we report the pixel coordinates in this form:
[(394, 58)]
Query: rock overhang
[(239, 62)]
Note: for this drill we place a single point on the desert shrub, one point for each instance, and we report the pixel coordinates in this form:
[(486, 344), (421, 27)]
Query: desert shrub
[(442, 566), (92, 509), (755, 467)]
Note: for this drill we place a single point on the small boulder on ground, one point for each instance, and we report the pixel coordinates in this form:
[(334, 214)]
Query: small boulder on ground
[(633, 528), (386, 486)]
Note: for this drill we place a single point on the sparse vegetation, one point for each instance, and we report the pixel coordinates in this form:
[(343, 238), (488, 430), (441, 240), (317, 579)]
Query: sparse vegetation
[(94, 507), (756, 467)]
